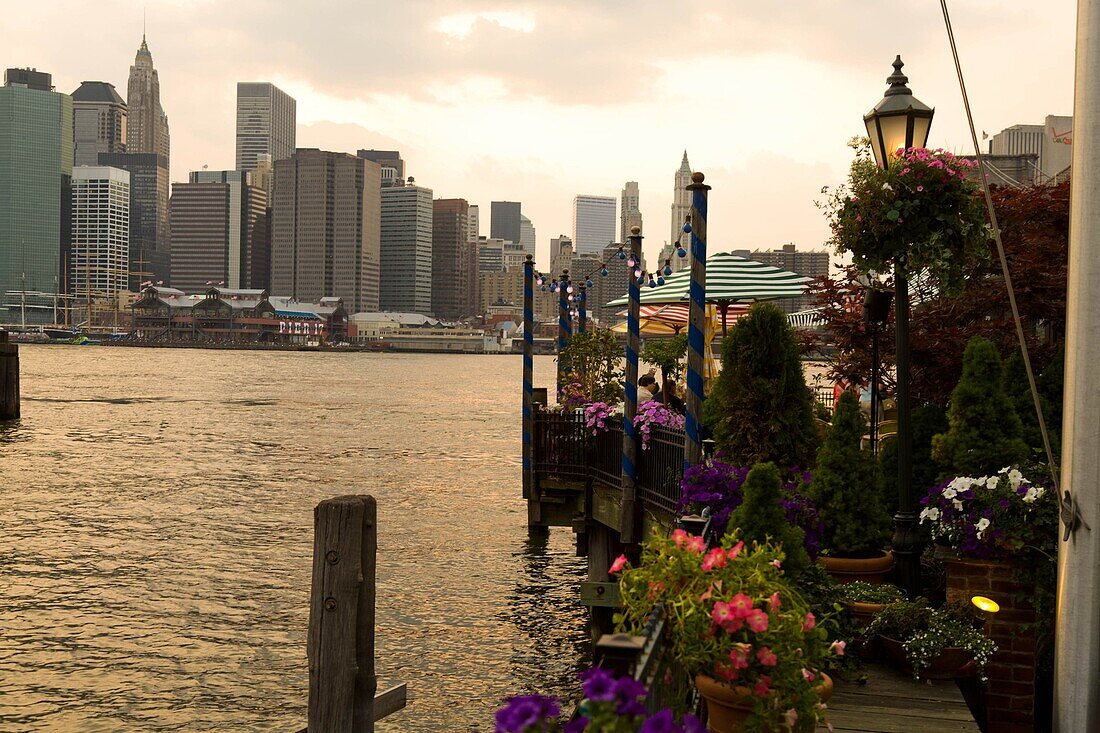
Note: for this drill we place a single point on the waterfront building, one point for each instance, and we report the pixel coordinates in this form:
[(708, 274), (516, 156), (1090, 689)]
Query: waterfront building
[(99, 122), (393, 167), (505, 288), (630, 214), (450, 253), (505, 218), (810, 263), (36, 157), (266, 119), (326, 228), (150, 248), (219, 232), (406, 271), (526, 235), (593, 223), (681, 209), (99, 260), (146, 123)]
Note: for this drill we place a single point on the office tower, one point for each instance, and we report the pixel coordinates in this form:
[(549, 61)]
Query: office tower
[(681, 209), (99, 122), (527, 235), (266, 118), (593, 223), (490, 254), (630, 214), (450, 259), (150, 249), (99, 260), (406, 283), (513, 255), (808, 263), (475, 223), (504, 221), (325, 233), (219, 232), (561, 252), (146, 124), (264, 172), (393, 167), (611, 286), (36, 166)]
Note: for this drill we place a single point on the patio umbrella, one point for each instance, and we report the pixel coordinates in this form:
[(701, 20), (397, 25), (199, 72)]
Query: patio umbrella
[(730, 279)]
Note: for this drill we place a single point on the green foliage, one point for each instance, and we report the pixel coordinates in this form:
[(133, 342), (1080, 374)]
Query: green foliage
[(760, 408), (925, 632), (761, 518), (667, 354), (861, 591), (984, 430), (844, 489), (927, 421), (1050, 384), (592, 363)]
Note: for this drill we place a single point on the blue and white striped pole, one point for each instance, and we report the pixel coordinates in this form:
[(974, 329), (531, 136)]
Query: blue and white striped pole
[(582, 312), (628, 524), (565, 326), (528, 371), (693, 441)]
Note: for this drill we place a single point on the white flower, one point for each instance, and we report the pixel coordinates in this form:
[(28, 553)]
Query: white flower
[(1033, 493), (949, 493), (991, 482), (887, 187), (1015, 478), (931, 512), (958, 504), (981, 526)]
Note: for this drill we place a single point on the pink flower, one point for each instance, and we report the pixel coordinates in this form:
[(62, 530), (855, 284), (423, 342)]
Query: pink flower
[(741, 605), (859, 217), (725, 671), (762, 685), (735, 550), (619, 564), (757, 620), (808, 675), (767, 657), (776, 564), (837, 647), (920, 188), (809, 623), (739, 655), (721, 613), (791, 717), (696, 544), (706, 596), (773, 603), (716, 558), (680, 537)]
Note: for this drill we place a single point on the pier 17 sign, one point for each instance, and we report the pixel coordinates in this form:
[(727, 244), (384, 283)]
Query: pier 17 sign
[(303, 328)]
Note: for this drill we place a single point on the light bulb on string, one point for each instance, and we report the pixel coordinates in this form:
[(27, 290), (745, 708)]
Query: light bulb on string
[(652, 282), (569, 288), (603, 272), (668, 267), (588, 283), (630, 262), (681, 252), (569, 298), (687, 227), (660, 279), (622, 255), (638, 272)]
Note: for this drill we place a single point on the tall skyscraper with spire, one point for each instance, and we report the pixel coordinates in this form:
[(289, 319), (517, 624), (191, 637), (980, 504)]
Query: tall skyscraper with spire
[(630, 214), (147, 125), (681, 208)]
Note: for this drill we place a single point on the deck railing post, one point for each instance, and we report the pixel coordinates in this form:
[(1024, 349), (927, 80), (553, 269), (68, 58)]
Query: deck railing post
[(582, 309), (528, 370), (565, 326), (628, 524), (9, 378), (340, 645), (697, 314)]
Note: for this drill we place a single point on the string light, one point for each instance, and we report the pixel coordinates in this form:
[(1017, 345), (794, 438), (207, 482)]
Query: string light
[(660, 279), (681, 252), (668, 267), (631, 262), (603, 272), (588, 283)]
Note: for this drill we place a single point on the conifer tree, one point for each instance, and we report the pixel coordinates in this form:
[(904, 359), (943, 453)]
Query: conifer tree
[(761, 518)]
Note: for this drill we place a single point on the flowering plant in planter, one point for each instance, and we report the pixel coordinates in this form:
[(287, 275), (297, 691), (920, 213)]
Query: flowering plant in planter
[(991, 516), (920, 209), (610, 705), (655, 413), (595, 416), (734, 617), (719, 486), (927, 635)]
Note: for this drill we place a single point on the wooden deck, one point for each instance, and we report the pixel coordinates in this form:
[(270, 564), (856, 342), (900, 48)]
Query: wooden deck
[(892, 702)]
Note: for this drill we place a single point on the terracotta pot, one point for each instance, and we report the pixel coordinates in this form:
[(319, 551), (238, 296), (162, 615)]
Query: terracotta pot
[(849, 569), (863, 613), (728, 707), (949, 664)]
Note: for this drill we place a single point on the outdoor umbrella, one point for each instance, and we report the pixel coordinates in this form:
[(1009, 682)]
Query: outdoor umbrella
[(730, 279)]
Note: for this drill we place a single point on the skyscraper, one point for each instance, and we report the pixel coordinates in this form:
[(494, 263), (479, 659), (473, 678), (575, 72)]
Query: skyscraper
[(406, 282), (266, 118), (681, 209), (450, 259), (475, 223), (99, 122), (219, 232), (326, 222), (630, 214), (36, 160), (150, 249), (99, 262), (147, 124), (505, 220), (393, 167), (526, 235), (593, 223)]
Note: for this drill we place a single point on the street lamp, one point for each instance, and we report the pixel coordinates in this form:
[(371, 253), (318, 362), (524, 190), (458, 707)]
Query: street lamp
[(900, 120)]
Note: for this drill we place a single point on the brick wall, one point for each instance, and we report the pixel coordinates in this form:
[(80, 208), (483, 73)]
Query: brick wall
[(1010, 693)]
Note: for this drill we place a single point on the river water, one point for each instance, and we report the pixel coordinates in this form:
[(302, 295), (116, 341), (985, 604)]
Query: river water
[(156, 537)]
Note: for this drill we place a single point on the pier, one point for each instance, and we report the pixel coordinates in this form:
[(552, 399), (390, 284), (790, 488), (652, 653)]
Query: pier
[(9, 378)]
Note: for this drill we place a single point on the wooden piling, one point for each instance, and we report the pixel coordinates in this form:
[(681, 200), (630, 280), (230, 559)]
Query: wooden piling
[(9, 378), (340, 646)]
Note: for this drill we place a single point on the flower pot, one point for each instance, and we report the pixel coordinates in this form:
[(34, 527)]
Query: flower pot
[(862, 613), (728, 706), (848, 569), (950, 663)]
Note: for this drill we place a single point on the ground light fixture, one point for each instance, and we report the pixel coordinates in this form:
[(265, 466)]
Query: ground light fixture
[(986, 604), (900, 120)]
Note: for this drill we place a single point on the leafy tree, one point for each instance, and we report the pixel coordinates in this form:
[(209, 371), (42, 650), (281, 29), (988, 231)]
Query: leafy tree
[(927, 421), (667, 354), (844, 488), (761, 518), (592, 361), (984, 430), (760, 408)]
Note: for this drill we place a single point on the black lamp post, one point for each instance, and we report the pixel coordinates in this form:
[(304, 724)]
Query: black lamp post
[(900, 120), (876, 311)]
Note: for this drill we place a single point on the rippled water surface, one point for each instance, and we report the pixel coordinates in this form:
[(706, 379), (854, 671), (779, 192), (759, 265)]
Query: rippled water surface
[(156, 537)]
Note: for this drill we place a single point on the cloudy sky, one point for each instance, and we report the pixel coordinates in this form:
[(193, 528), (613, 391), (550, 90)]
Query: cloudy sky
[(538, 101)]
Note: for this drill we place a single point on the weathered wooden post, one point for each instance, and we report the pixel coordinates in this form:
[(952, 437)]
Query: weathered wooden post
[(9, 378), (693, 439), (565, 325), (582, 310), (340, 646), (530, 491), (628, 524)]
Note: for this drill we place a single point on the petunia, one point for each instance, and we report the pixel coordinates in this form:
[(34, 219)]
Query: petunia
[(735, 550), (773, 603), (791, 717), (762, 685), (757, 620), (741, 605), (618, 565), (696, 544), (837, 647), (809, 622), (721, 613), (716, 558), (767, 657), (680, 537), (739, 655), (598, 685), (808, 675)]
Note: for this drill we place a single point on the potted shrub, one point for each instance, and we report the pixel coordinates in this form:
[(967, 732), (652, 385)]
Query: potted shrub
[(847, 497), (863, 600), (737, 625), (930, 643)]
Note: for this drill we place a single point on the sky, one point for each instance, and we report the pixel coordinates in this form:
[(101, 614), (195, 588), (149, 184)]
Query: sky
[(539, 101)]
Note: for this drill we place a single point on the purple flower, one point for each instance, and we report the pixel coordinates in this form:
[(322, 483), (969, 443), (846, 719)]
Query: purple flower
[(692, 724), (523, 711), (576, 726), (598, 685), (662, 722), (628, 689)]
